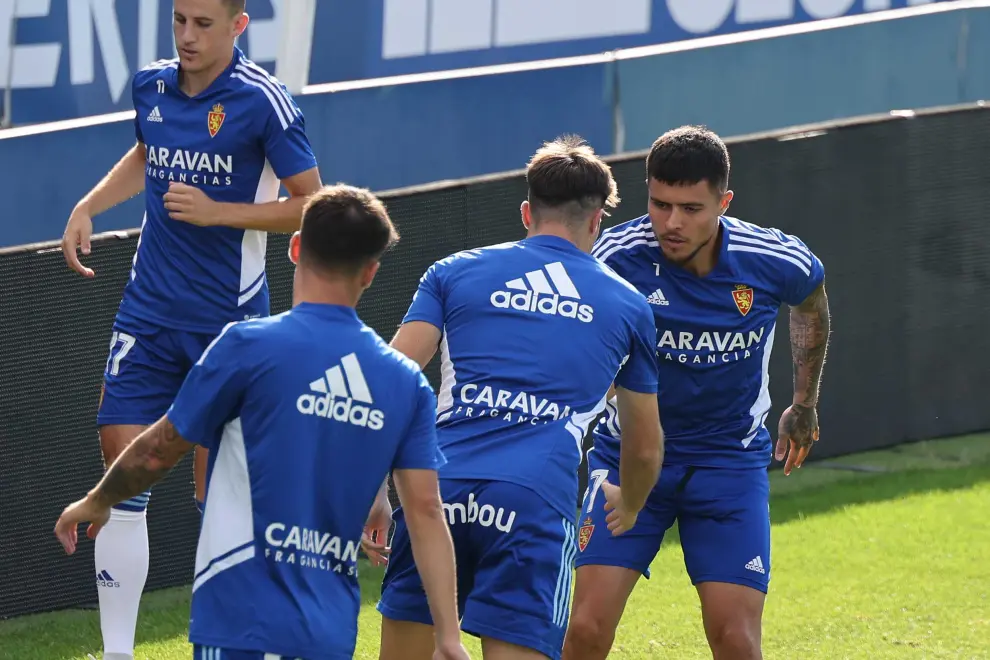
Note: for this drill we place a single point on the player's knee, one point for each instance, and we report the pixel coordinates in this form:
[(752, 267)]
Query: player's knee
[(588, 636), (736, 639)]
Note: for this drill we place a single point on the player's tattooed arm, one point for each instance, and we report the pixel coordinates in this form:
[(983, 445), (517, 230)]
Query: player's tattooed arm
[(809, 343), (145, 462), (798, 427)]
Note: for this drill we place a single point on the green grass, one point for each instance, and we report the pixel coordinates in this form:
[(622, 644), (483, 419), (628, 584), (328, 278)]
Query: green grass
[(878, 555)]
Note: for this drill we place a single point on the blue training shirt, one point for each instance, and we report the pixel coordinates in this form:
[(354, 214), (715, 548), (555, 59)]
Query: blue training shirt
[(714, 337), (534, 333), (304, 414), (235, 141)]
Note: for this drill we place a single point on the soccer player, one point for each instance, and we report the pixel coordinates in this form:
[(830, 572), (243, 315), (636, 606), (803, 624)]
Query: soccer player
[(716, 285), (288, 407), (532, 334), (215, 134)]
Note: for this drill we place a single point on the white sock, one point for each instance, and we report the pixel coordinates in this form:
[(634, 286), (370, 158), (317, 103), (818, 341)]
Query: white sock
[(121, 570)]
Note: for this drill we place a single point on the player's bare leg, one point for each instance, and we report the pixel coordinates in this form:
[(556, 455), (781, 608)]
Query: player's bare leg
[(201, 460), (406, 640), (733, 616), (121, 555), (496, 649), (600, 595)]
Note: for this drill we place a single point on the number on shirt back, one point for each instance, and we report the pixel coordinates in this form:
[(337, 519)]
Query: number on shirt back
[(595, 478), (120, 345)]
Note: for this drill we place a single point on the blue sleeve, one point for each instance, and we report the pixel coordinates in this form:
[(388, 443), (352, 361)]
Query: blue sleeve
[(419, 449), (287, 147), (428, 303), (212, 392), (137, 115), (640, 371), (801, 275)]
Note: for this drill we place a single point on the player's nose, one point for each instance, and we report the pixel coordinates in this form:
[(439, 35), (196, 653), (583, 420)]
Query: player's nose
[(675, 221)]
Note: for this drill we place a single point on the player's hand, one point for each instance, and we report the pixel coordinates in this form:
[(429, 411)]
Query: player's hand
[(85, 510), (796, 433), (190, 204), (619, 520), (78, 231), (375, 533), (453, 650)]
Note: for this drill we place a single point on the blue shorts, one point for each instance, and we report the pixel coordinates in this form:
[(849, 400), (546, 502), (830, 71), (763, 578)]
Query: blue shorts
[(514, 566), (723, 517), (201, 652), (146, 367)]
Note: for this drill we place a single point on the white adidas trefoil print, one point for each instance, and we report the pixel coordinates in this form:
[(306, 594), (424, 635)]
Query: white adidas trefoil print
[(657, 298), (548, 290), (342, 394)]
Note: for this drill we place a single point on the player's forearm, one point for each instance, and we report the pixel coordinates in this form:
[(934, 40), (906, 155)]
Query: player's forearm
[(433, 553), (283, 216), (809, 344), (639, 469), (145, 462), (641, 446), (123, 181)]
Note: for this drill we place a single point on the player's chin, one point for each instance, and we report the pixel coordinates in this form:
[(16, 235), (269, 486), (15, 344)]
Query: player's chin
[(676, 253), (192, 63)]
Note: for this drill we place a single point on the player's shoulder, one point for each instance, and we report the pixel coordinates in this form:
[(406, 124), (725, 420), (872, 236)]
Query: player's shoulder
[(156, 70), (253, 330), (625, 240), (394, 363), (263, 89), (621, 285), (242, 338), (474, 256), (766, 247)]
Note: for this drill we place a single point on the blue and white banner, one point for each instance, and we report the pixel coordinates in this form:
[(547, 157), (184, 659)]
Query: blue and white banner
[(71, 58)]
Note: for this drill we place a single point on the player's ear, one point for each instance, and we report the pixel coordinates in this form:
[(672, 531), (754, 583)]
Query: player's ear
[(596, 224), (726, 200), (527, 214), (241, 24), (368, 273), (294, 243)]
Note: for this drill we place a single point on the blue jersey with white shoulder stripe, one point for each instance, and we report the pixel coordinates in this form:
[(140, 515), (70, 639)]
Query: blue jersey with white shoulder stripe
[(304, 414), (234, 141), (533, 334), (714, 337)]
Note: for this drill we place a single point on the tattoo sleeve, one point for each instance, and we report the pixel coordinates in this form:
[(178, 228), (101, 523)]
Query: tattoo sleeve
[(145, 461), (809, 342)]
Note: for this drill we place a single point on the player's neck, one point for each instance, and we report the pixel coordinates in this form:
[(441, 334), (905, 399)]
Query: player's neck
[(559, 231), (324, 290), (195, 83)]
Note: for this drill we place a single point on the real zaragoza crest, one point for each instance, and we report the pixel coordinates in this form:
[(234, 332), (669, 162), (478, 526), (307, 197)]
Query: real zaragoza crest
[(743, 296), (215, 119), (584, 534)]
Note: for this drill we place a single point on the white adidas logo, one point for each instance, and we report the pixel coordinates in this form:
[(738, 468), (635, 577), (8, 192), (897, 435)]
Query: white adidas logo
[(156, 115), (334, 400), (657, 298), (756, 564), (537, 294)]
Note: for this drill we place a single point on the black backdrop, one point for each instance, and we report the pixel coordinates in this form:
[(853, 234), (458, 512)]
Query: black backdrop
[(893, 208)]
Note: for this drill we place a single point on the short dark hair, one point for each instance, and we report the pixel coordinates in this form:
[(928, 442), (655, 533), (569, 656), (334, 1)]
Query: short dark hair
[(566, 175), (343, 228), (687, 155), (235, 6)]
